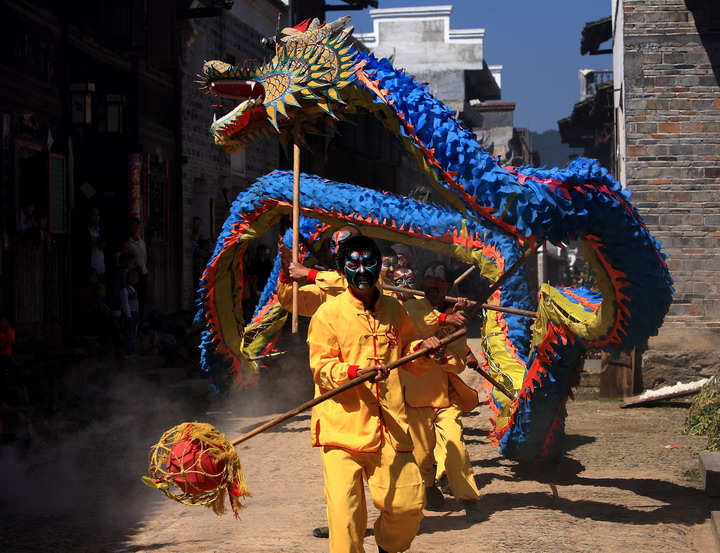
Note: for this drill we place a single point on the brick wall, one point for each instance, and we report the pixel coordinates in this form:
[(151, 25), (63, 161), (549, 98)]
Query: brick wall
[(215, 38), (672, 116)]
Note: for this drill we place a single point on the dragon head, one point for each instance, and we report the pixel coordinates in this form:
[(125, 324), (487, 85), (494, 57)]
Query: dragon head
[(300, 83)]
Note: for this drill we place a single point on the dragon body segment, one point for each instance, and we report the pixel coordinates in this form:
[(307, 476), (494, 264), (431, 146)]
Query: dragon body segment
[(320, 78)]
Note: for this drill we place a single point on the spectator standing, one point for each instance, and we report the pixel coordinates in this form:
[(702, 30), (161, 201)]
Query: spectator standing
[(127, 264), (138, 248), (96, 244), (124, 247), (130, 310)]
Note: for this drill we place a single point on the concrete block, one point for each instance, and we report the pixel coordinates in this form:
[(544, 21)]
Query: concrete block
[(709, 466)]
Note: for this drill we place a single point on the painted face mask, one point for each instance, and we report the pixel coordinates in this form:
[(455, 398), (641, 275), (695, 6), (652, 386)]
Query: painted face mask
[(338, 238), (436, 282), (362, 269), (404, 277), (389, 262)]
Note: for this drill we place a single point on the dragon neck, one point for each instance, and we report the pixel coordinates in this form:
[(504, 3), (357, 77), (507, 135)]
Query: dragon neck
[(446, 151)]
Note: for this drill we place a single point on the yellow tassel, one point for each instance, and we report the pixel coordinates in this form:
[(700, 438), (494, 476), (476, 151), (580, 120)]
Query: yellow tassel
[(176, 468)]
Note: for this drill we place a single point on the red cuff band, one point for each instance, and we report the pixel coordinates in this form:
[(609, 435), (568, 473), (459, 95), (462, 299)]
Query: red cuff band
[(285, 279), (311, 276), (442, 318), (352, 371)]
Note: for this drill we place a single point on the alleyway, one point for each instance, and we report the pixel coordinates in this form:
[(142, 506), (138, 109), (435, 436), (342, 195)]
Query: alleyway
[(620, 488)]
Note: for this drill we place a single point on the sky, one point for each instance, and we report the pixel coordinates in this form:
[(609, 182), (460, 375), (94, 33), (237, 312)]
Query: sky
[(536, 42)]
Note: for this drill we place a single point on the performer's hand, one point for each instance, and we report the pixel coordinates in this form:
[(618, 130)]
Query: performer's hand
[(381, 372), (471, 361), (436, 351), (462, 304), (298, 271), (457, 318)]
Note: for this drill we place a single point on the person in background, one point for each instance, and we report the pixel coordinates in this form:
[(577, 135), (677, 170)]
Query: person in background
[(25, 215), (138, 248), (438, 397), (404, 255), (96, 244), (127, 264), (130, 309), (389, 264)]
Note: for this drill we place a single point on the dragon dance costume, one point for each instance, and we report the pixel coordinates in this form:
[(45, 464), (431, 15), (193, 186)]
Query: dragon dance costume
[(489, 215)]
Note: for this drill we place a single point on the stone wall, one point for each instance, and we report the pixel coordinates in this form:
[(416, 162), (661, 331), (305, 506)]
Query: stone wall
[(672, 119), (207, 169)]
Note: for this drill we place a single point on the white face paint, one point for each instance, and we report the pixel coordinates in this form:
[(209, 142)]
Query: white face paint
[(436, 283), (436, 272)]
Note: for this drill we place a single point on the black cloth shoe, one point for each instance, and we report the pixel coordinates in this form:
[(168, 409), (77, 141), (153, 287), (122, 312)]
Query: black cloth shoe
[(434, 498), (322, 532), (381, 550), (473, 514)]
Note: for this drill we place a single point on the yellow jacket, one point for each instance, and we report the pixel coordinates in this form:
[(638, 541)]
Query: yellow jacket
[(321, 285), (434, 387), (343, 337)]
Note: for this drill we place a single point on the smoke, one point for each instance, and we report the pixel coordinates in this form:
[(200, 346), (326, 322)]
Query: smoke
[(76, 474)]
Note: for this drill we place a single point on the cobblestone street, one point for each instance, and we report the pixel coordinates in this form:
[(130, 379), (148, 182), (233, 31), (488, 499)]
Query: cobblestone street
[(620, 488)]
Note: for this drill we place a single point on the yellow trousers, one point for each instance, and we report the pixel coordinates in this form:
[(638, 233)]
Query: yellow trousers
[(441, 430), (396, 489)]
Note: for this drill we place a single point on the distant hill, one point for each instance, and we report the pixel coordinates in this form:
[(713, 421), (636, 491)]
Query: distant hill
[(553, 153)]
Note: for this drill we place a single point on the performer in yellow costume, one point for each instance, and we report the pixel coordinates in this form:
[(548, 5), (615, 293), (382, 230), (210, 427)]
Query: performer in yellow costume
[(319, 285), (363, 432), (438, 397)]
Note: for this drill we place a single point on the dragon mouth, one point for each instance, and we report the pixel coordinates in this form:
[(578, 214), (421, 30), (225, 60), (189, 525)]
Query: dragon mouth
[(237, 89), (248, 115)]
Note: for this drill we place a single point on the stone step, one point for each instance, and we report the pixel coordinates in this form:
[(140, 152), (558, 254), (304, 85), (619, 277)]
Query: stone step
[(163, 376), (709, 466)]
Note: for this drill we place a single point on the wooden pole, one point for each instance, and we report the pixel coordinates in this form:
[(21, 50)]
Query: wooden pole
[(296, 229), (503, 277), (452, 299), (498, 385), (463, 276), (370, 375)]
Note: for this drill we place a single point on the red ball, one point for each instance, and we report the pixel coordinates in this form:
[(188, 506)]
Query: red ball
[(194, 469)]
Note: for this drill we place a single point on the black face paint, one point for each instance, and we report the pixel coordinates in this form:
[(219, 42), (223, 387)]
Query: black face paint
[(362, 269)]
